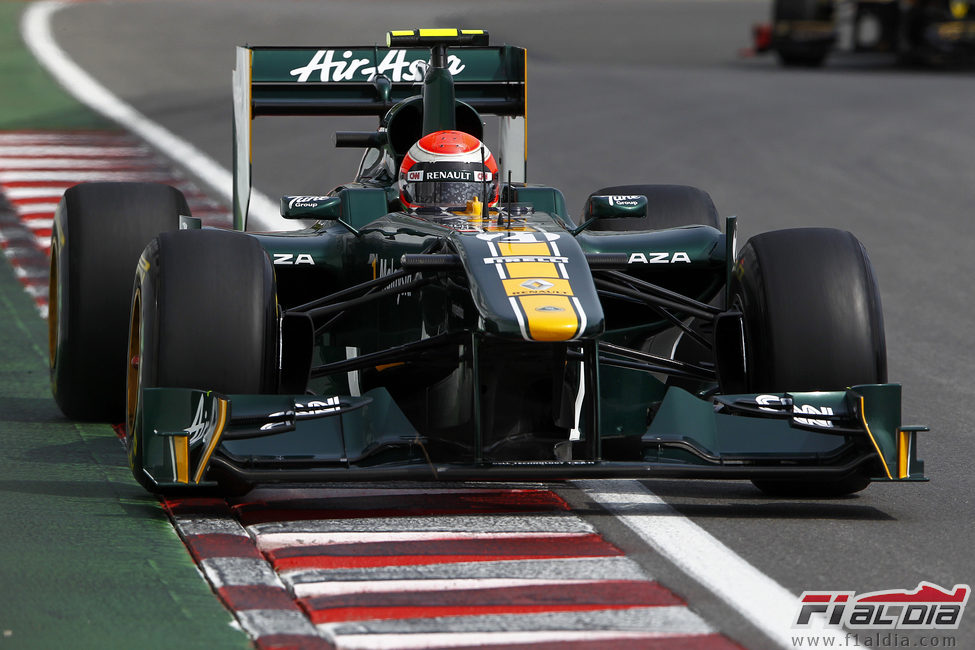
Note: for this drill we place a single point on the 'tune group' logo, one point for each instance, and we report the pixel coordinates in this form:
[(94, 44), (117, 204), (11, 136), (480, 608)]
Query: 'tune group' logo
[(926, 608)]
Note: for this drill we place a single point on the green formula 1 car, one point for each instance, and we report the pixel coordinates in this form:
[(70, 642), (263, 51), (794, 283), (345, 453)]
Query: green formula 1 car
[(475, 334)]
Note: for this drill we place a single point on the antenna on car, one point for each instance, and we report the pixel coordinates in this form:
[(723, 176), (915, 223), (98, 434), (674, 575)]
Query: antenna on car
[(485, 213), (509, 198)]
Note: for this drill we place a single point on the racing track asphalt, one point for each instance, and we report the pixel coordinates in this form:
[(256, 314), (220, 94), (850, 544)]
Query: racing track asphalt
[(634, 92)]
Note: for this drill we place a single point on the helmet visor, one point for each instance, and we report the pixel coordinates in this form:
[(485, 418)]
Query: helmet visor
[(446, 185)]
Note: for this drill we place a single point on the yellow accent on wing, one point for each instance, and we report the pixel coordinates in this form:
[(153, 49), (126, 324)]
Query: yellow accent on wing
[(181, 452), (435, 32), (903, 458), (550, 318), (863, 416), (214, 439), (438, 33), (398, 32)]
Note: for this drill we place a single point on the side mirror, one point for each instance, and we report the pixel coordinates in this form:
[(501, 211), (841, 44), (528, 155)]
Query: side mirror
[(311, 207), (616, 206)]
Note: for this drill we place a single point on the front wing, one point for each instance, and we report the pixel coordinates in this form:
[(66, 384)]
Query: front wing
[(191, 435)]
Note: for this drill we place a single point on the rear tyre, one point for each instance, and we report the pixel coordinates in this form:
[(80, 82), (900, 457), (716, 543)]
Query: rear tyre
[(99, 232), (204, 316), (793, 53), (668, 206), (813, 321), (802, 58)]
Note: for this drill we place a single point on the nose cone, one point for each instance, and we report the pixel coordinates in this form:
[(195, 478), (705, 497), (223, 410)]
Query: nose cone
[(549, 317), (530, 284)]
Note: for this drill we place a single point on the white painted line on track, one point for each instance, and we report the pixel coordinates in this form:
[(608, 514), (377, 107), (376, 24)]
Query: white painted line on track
[(55, 191), (31, 208), (56, 138), (494, 639), (579, 568), (73, 151), (209, 526), (74, 163), (239, 571), (40, 223), (28, 274), (266, 622), (274, 541), (28, 176), (760, 599), (348, 587), (542, 523), (677, 620), (36, 31)]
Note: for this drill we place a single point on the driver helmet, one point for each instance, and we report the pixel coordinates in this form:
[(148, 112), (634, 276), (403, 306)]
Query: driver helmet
[(446, 169)]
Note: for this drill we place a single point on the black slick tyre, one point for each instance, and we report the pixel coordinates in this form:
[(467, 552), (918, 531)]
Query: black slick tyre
[(796, 53), (204, 316), (813, 321), (668, 206), (802, 57), (99, 232)]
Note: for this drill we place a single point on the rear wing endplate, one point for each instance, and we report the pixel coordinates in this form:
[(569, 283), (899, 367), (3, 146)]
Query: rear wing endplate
[(353, 81)]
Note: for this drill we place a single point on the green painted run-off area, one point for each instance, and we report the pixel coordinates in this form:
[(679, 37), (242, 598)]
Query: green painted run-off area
[(87, 558)]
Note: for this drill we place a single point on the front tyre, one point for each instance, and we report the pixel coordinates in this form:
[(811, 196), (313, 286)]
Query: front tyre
[(99, 232), (813, 321), (204, 316)]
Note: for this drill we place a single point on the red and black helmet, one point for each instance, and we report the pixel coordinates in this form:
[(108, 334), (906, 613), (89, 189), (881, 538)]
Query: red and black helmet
[(447, 169)]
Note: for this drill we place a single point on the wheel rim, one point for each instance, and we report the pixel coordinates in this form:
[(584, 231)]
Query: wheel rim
[(53, 324), (133, 376)]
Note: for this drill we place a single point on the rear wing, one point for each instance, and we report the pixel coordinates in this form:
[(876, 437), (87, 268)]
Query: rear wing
[(369, 80)]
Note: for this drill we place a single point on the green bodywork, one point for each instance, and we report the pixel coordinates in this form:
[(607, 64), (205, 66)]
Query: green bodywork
[(512, 345)]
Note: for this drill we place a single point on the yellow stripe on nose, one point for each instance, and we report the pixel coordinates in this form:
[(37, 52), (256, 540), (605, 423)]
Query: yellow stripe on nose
[(531, 270), (524, 248), (537, 285), (550, 318)]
